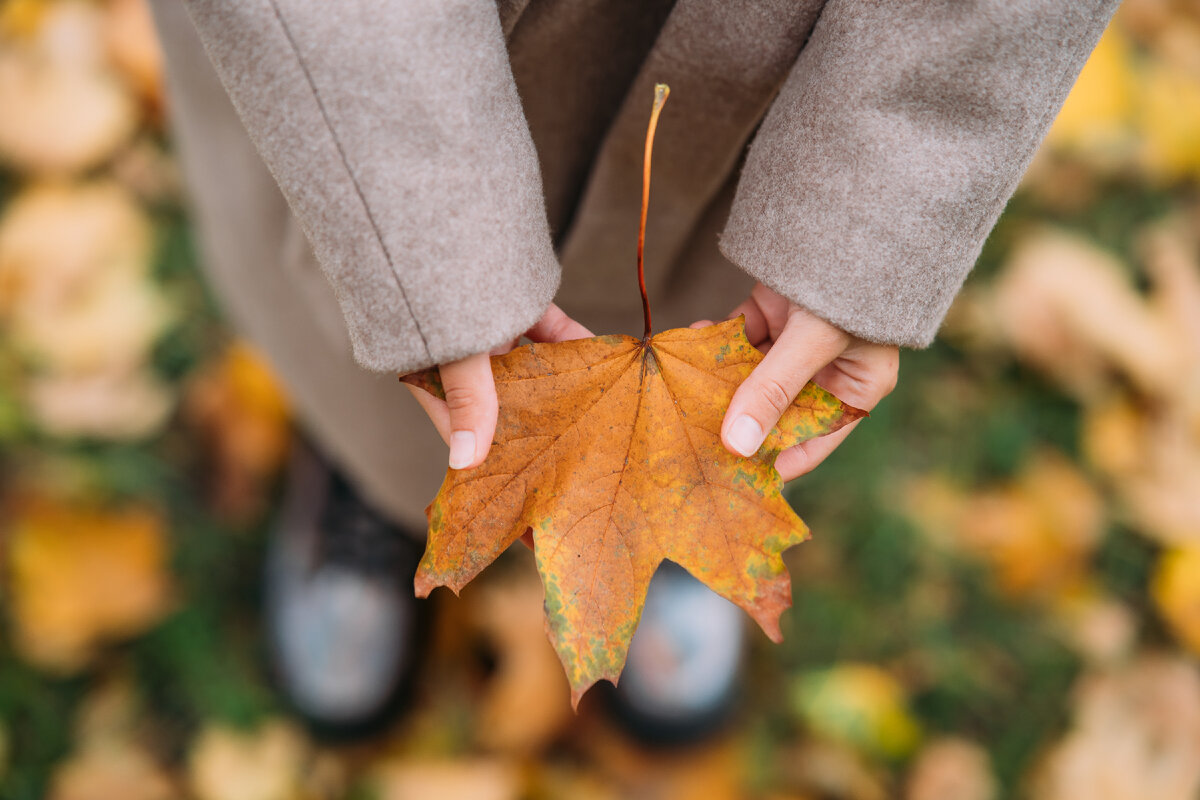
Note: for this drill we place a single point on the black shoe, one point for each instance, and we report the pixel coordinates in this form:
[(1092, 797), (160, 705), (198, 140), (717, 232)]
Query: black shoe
[(344, 626), (683, 676)]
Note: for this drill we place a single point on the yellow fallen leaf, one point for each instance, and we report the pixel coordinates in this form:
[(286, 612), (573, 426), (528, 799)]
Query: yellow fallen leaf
[(1176, 592), (466, 779), (81, 576), (527, 700), (1068, 308), (1095, 121), (133, 46), (858, 704), (1101, 629), (951, 769), (1172, 260), (1160, 498), (104, 406), (110, 327), (1035, 533), (1169, 122), (242, 415), (266, 764), (62, 110), (108, 773), (21, 19), (1134, 736), (58, 241), (825, 769), (109, 715), (1114, 437)]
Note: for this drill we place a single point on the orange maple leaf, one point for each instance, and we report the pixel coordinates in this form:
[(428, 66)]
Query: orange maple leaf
[(609, 451)]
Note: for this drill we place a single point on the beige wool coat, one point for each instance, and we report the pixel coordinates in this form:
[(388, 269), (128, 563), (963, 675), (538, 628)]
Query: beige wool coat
[(452, 166)]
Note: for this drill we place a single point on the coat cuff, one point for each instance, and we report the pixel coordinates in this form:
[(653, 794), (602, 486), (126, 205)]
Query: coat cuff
[(894, 144), (396, 134)]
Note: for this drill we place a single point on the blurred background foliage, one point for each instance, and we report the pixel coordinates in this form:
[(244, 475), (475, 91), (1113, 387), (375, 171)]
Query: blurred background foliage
[(1002, 598)]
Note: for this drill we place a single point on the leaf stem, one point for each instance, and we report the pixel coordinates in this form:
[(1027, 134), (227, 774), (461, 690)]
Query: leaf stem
[(661, 90)]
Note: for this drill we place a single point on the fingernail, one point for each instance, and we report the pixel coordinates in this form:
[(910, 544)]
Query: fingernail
[(462, 449), (745, 434)]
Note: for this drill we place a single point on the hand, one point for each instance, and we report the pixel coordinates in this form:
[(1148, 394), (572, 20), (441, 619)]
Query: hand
[(466, 419), (800, 347)]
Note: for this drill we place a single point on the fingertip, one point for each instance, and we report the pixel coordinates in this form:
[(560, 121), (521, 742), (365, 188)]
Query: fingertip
[(462, 449), (434, 408), (702, 323), (556, 326), (472, 409), (793, 462), (744, 435)]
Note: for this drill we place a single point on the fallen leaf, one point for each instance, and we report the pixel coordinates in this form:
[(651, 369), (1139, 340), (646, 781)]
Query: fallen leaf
[(1176, 592), (134, 48), (860, 705), (609, 450), (1036, 533), (1068, 308), (1169, 118), (1135, 736), (241, 416), (110, 760), (1171, 253), (109, 327), (713, 769), (1152, 461), (826, 769), (1101, 629), (525, 703), (467, 779), (80, 576), (951, 769), (58, 240), (265, 764), (1095, 119), (62, 108), (1113, 437), (103, 406), (110, 715), (103, 773)]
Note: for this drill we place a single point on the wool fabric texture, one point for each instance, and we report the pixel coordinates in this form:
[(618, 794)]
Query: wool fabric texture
[(451, 161)]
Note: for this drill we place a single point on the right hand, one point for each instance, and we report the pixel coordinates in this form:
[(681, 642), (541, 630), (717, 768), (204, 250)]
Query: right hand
[(466, 419)]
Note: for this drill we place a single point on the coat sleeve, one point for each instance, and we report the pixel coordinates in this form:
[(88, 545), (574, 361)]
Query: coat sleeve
[(893, 146), (396, 134)]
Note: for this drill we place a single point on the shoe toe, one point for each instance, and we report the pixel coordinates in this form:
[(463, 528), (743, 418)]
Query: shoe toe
[(685, 662), (341, 638)]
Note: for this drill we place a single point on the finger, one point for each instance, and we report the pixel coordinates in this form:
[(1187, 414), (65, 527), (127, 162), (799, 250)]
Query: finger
[(806, 344), (864, 374), (435, 409), (556, 326), (472, 409), (757, 330), (804, 457), (776, 309), (501, 349), (700, 323)]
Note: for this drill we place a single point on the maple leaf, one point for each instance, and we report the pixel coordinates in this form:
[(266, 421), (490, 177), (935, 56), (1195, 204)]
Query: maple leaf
[(608, 450)]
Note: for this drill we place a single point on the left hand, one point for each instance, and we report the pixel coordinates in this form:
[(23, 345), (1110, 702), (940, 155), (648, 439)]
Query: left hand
[(800, 347)]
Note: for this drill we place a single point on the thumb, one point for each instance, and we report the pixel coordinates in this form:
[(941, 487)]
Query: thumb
[(471, 403), (805, 345)]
